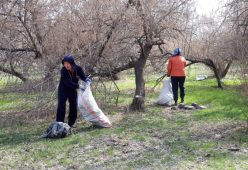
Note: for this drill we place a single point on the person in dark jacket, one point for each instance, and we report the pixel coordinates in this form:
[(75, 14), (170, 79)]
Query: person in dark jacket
[(176, 70), (68, 85)]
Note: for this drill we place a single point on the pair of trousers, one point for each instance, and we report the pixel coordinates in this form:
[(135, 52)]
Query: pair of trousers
[(175, 81), (62, 98)]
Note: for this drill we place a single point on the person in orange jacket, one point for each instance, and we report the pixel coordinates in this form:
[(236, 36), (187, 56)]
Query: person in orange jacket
[(177, 73)]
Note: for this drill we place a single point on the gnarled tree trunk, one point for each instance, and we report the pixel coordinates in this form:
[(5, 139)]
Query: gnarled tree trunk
[(210, 64), (223, 74), (217, 76), (139, 97)]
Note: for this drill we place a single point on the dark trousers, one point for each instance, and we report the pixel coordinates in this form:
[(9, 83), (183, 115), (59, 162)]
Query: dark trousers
[(175, 81), (62, 98)]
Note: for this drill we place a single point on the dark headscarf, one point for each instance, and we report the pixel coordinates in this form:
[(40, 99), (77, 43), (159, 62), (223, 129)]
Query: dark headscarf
[(70, 60)]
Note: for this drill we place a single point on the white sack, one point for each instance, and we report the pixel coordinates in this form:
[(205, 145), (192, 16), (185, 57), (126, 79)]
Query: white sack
[(166, 96), (199, 78), (89, 109)]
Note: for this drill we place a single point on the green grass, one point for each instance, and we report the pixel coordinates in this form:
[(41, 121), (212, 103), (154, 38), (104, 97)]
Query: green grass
[(157, 138), (12, 102)]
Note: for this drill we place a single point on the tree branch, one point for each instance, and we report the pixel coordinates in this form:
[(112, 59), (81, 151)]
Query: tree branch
[(116, 70), (13, 72), (18, 50)]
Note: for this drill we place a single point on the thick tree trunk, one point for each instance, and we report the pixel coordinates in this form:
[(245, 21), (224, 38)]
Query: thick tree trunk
[(217, 77), (116, 77), (138, 100), (138, 103), (139, 77), (226, 69), (210, 64), (216, 73)]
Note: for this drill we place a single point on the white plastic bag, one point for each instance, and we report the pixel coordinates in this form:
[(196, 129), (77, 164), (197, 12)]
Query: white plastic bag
[(166, 96), (90, 110), (199, 78)]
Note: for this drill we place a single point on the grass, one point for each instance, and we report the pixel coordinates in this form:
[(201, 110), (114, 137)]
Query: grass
[(157, 138)]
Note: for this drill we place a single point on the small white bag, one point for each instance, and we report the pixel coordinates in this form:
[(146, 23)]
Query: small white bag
[(90, 110), (166, 96)]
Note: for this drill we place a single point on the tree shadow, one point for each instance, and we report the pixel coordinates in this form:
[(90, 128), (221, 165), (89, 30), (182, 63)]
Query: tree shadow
[(11, 138), (87, 129)]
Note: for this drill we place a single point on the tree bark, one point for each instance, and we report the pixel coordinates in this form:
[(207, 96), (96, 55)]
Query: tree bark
[(139, 78), (223, 74), (217, 76), (210, 64), (139, 103)]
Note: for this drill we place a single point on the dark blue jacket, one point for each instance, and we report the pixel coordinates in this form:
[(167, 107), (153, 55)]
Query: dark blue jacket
[(69, 81)]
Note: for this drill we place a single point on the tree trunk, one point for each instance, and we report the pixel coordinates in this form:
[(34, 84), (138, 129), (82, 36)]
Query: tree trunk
[(217, 76), (138, 103), (226, 69), (116, 77), (138, 100), (211, 65)]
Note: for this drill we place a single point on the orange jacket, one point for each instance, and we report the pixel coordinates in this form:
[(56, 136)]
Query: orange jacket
[(176, 66)]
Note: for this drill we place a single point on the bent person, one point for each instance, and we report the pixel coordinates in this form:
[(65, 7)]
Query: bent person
[(68, 85), (176, 70)]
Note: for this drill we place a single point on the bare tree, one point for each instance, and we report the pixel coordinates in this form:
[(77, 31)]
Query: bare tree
[(237, 18), (106, 37), (212, 45)]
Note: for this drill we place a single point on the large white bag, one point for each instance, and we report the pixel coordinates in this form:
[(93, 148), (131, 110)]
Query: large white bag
[(166, 96), (89, 109)]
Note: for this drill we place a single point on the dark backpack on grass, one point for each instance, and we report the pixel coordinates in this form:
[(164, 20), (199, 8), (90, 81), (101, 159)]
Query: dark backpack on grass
[(58, 130)]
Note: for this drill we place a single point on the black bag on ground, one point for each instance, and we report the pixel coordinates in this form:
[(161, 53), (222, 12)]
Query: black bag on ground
[(58, 130)]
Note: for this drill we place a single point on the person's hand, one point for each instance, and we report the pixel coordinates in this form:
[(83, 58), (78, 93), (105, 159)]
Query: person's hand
[(88, 80), (82, 87), (168, 75)]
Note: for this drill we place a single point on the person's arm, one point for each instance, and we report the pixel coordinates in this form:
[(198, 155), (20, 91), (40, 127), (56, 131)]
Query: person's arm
[(81, 74), (169, 67), (66, 78)]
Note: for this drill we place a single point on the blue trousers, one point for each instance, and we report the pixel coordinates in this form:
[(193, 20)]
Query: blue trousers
[(175, 81), (62, 98)]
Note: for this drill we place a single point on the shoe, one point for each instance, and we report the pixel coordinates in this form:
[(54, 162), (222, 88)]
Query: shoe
[(182, 100), (175, 103), (73, 126)]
